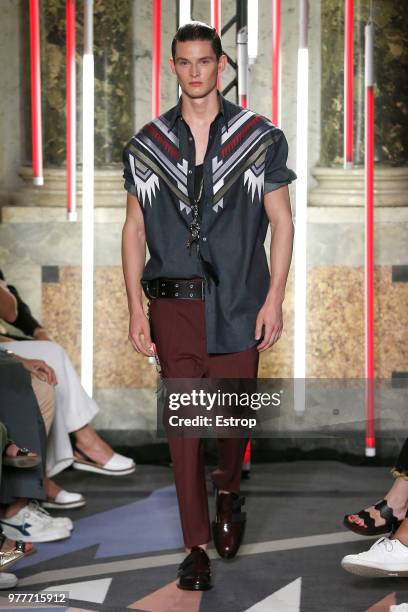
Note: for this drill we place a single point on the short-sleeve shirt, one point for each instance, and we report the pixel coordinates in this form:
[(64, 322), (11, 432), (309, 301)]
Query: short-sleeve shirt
[(245, 158)]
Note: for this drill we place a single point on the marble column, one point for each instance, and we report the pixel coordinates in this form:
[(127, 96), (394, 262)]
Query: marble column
[(113, 79), (337, 187), (391, 97), (114, 100)]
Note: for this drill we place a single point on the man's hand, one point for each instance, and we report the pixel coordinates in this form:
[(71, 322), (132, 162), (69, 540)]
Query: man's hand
[(270, 317), (39, 369), (139, 328)]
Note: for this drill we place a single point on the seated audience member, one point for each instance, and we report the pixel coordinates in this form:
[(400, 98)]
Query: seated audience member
[(27, 410), (11, 552), (74, 409), (388, 556), (387, 514)]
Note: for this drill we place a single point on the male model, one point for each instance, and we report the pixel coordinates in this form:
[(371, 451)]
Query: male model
[(204, 180)]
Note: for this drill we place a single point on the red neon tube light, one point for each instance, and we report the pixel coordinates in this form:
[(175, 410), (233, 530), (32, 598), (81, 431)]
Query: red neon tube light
[(35, 69), (71, 109), (369, 238), (348, 82), (216, 23)]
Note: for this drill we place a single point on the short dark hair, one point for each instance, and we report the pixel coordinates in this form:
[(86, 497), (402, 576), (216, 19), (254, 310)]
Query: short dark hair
[(196, 30)]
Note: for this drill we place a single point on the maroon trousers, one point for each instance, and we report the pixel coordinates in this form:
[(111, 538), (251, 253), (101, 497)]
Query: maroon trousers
[(178, 330)]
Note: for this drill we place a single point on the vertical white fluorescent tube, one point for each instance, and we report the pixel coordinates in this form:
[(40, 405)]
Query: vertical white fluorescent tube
[(184, 11), (252, 11), (301, 210), (87, 201)]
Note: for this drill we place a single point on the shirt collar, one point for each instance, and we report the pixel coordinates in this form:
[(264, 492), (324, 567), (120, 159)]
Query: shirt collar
[(175, 112)]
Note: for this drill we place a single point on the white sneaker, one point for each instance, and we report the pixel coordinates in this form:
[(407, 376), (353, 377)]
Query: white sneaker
[(65, 500), (8, 581), (384, 558), (33, 525), (401, 608), (62, 521)]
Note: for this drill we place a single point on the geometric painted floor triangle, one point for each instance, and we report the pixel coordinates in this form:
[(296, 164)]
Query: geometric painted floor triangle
[(152, 522), (91, 590), (384, 604), (287, 599), (169, 598)]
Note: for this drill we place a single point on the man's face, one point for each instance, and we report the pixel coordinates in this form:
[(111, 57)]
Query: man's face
[(196, 67)]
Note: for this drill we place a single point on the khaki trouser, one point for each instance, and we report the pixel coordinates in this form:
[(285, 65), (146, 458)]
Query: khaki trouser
[(44, 394)]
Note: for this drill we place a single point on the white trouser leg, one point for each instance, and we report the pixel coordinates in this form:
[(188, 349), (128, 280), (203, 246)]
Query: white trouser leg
[(74, 408)]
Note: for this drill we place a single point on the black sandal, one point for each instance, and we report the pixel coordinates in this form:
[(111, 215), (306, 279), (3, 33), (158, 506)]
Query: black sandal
[(22, 459), (369, 529)]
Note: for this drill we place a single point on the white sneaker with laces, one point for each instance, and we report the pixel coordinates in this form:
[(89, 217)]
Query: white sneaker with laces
[(62, 521), (385, 558), (31, 525)]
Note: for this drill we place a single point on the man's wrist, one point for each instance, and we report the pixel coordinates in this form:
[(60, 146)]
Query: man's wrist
[(276, 295), (136, 309)]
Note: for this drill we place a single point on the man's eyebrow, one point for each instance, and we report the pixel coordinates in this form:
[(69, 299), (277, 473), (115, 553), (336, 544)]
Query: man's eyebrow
[(185, 59)]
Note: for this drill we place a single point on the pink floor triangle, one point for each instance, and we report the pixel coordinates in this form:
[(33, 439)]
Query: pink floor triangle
[(169, 598), (384, 604)]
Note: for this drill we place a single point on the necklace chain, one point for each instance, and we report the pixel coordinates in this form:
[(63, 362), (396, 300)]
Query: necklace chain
[(195, 225)]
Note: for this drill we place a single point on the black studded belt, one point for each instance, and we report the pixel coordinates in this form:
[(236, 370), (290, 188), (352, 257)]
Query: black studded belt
[(184, 289)]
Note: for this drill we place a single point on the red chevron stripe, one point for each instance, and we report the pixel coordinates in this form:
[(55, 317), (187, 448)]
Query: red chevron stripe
[(164, 143), (239, 136)]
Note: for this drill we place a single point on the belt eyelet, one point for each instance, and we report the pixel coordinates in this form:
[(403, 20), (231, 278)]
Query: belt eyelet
[(191, 294), (176, 294)]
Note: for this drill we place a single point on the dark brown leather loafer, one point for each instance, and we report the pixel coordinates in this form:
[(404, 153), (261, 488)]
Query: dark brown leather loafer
[(195, 571), (229, 524)]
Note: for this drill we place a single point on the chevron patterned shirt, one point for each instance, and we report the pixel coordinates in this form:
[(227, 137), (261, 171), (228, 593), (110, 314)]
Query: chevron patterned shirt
[(245, 158)]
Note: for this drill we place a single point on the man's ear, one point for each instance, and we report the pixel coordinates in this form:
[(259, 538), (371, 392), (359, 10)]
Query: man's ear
[(172, 66), (222, 62)]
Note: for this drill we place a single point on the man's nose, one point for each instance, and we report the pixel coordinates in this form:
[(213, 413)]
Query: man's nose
[(194, 70)]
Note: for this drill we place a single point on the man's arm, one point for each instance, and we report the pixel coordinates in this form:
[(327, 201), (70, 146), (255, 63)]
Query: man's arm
[(278, 210), (133, 261), (8, 304), (25, 320)]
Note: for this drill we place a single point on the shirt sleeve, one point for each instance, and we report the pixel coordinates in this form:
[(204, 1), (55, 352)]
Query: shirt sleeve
[(277, 173), (129, 171), (25, 321)]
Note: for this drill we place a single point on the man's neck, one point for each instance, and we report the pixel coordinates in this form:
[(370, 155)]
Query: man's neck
[(200, 110)]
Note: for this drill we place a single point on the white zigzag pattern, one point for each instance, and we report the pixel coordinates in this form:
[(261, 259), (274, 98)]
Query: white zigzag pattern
[(255, 183), (147, 188)]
